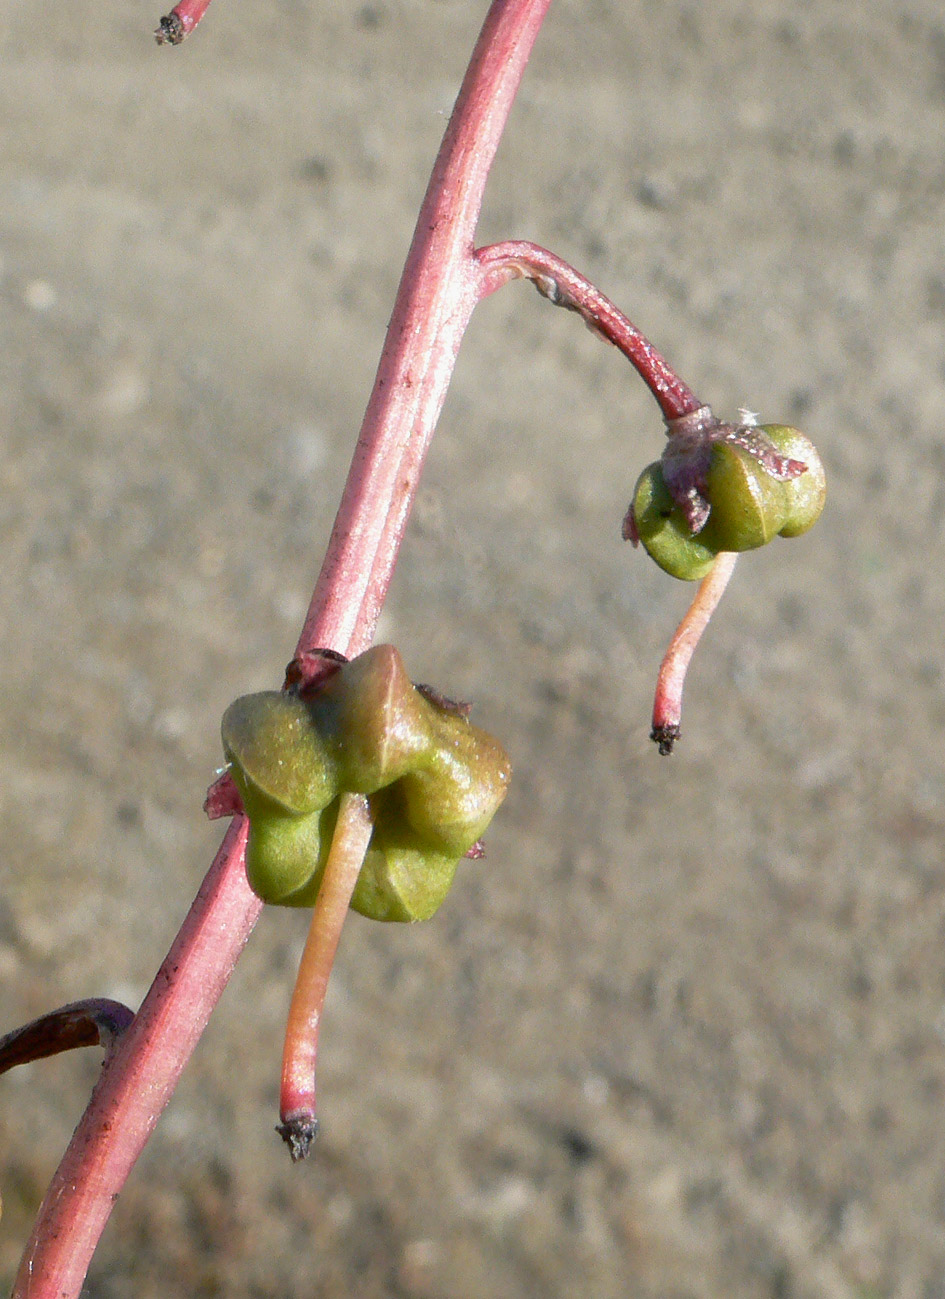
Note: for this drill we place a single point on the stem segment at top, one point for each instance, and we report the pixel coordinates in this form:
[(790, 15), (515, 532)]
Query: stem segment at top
[(440, 287)]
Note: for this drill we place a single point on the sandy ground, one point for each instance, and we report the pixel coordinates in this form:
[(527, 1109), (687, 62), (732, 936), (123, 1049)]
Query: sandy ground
[(682, 1034)]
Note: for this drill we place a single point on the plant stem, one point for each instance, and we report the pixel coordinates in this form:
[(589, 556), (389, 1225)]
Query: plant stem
[(667, 705), (440, 287), (345, 858), (562, 285), (139, 1078), (438, 291)]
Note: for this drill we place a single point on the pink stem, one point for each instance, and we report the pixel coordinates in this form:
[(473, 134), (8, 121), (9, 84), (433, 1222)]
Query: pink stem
[(667, 706), (180, 22), (345, 859), (438, 291), (440, 287), (565, 287)]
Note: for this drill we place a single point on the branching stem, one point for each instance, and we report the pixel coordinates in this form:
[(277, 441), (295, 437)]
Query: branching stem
[(443, 279), (438, 291)]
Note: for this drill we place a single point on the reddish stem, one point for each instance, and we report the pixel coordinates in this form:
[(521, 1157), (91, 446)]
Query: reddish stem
[(562, 285), (136, 1083), (667, 706), (438, 291), (345, 858), (440, 287), (180, 22)]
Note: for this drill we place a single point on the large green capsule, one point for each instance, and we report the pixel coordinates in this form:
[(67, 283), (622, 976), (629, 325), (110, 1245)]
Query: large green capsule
[(433, 780), (277, 754)]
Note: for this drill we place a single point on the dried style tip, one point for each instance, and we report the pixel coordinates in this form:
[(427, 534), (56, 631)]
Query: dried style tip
[(170, 30), (667, 703), (299, 1135), (180, 22), (665, 737)]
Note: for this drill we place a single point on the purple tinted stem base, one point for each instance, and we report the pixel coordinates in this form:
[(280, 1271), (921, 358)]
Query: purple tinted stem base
[(95, 1022)]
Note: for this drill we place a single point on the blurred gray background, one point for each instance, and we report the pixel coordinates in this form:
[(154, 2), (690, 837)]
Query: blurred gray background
[(680, 1035)]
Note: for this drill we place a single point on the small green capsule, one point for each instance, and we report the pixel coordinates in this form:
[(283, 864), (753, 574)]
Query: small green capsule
[(748, 504), (749, 507), (805, 495), (664, 531), (286, 855), (450, 799), (400, 881)]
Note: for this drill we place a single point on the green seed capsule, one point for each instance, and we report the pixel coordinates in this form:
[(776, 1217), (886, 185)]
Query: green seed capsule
[(749, 507), (432, 779), (748, 504), (664, 531), (805, 495), (371, 716), (400, 881), (286, 855), (450, 799)]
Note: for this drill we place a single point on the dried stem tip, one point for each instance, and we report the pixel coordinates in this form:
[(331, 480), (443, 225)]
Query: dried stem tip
[(346, 855), (299, 1135), (170, 30), (667, 705)]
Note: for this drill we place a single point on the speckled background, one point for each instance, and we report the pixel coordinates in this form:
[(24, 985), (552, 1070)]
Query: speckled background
[(680, 1035)]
